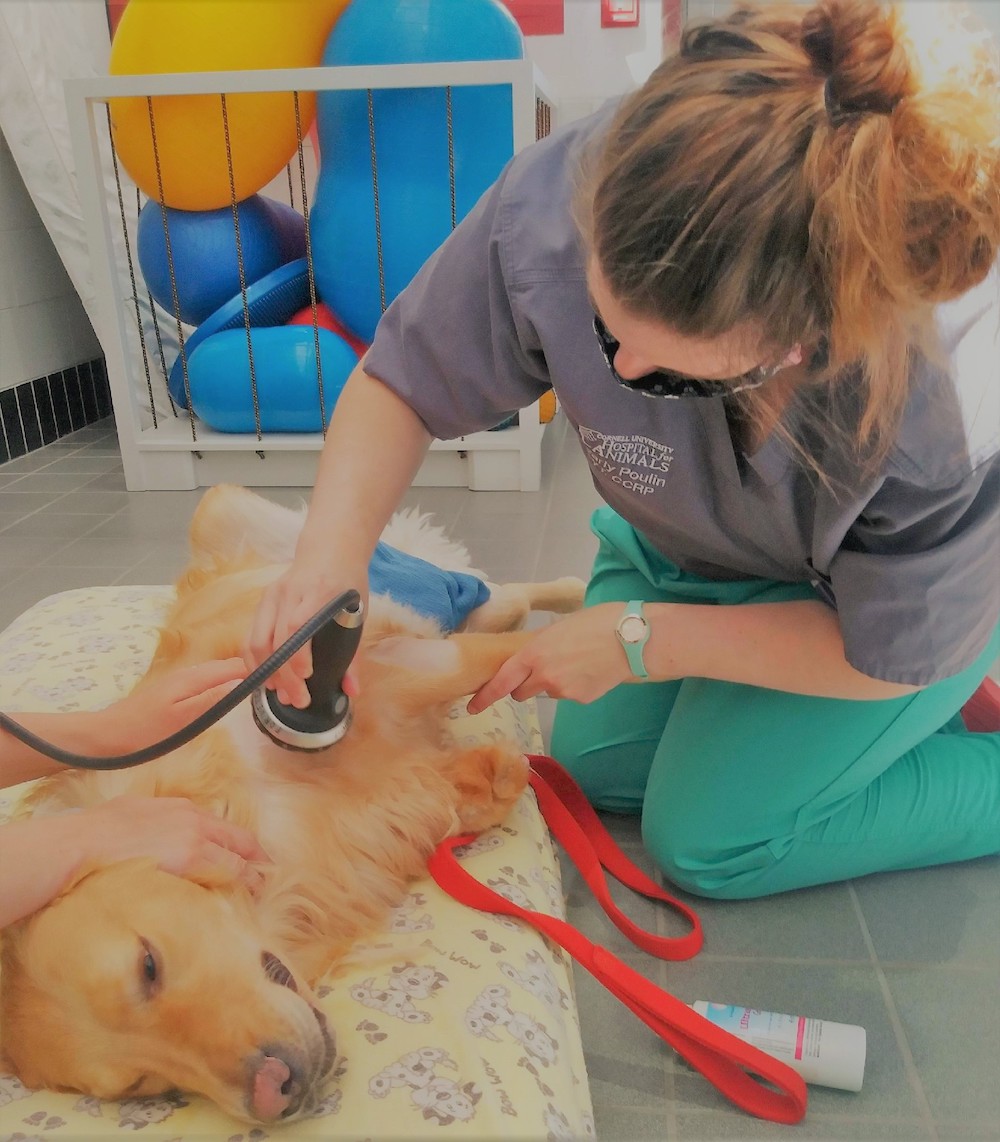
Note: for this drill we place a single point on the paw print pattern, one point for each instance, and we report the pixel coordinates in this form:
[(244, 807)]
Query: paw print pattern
[(371, 1031), (495, 948), (136, 1113), (45, 1120), (11, 1089)]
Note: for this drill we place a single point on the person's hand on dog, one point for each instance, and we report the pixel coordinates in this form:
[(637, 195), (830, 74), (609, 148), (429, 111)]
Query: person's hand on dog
[(181, 837), (287, 604), (39, 856), (577, 657)]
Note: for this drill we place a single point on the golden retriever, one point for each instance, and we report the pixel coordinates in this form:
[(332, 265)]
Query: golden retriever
[(135, 981)]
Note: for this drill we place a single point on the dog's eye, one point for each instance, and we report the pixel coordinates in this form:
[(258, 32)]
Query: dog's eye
[(276, 971), (149, 969)]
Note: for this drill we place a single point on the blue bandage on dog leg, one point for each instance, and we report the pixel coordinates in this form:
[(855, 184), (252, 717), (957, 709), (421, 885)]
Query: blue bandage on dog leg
[(447, 597)]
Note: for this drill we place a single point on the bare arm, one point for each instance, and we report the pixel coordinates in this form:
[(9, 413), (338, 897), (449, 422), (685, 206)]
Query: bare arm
[(39, 856), (374, 446), (143, 717), (82, 732), (795, 647)]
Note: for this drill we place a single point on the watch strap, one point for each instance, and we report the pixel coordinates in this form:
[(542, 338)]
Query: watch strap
[(633, 650)]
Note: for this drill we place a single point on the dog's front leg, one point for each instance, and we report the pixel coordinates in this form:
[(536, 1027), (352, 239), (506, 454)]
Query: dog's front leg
[(443, 670)]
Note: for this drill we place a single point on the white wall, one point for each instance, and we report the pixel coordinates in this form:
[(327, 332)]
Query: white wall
[(588, 64), (43, 326)]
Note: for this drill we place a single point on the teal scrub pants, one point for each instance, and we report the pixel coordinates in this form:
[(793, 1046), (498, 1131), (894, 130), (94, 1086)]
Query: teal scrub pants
[(745, 791)]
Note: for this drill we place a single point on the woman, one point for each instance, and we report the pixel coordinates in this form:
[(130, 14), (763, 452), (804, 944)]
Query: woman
[(792, 229), (38, 856)]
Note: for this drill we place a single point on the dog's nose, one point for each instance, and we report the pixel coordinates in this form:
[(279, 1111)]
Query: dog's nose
[(276, 1089)]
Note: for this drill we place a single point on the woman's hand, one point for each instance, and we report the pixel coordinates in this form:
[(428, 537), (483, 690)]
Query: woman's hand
[(40, 855), (154, 710), (794, 646), (167, 703), (374, 446), (578, 657), (285, 606), (174, 832)]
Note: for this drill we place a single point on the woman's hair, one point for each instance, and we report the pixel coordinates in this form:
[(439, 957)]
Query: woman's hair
[(807, 172)]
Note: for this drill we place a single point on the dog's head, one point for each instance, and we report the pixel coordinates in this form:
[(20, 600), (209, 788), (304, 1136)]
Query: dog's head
[(138, 982)]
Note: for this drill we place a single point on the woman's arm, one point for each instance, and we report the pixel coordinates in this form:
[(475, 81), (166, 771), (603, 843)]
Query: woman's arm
[(795, 647), (374, 446), (151, 712), (83, 731), (39, 856)]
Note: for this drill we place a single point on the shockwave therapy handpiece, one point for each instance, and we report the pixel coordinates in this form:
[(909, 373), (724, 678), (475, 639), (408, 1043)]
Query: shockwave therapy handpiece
[(328, 716)]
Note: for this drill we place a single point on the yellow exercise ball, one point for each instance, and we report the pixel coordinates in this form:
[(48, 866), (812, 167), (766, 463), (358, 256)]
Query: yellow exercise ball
[(189, 167)]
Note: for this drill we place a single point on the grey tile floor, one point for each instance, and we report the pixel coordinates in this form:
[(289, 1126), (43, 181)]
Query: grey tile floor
[(913, 957)]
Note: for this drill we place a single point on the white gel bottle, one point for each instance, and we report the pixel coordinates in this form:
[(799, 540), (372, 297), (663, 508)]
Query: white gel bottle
[(823, 1053)]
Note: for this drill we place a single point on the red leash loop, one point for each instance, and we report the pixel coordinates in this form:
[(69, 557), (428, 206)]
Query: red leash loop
[(738, 1069)]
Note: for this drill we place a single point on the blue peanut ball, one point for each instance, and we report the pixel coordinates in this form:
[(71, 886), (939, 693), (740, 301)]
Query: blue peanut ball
[(410, 128), (203, 251), (284, 360)]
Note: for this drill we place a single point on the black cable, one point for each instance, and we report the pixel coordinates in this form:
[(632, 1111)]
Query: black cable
[(349, 600)]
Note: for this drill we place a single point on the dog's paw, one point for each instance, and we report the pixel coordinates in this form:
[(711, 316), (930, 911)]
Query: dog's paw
[(488, 780), (571, 591)]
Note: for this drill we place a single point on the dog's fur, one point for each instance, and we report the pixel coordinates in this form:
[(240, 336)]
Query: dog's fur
[(135, 981)]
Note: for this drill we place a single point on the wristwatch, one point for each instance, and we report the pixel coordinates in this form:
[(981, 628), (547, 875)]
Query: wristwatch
[(633, 633)]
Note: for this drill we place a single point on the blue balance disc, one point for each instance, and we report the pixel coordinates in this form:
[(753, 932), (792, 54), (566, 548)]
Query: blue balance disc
[(271, 301)]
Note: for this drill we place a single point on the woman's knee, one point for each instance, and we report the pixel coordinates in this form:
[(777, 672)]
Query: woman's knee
[(611, 769), (605, 781), (693, 857)]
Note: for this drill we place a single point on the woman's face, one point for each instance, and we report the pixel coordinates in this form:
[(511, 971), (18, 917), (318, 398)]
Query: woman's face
[(647, 346)]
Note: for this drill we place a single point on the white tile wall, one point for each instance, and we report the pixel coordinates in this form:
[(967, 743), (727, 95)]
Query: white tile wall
[(43, 326)]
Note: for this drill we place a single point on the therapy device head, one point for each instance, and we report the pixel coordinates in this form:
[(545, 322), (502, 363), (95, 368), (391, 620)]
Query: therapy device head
[(328, 716)]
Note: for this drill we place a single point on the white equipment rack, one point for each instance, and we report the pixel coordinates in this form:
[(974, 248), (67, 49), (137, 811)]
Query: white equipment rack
[(174, 450)]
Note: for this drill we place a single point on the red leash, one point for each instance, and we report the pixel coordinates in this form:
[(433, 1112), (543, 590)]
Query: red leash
[(734, 1067)]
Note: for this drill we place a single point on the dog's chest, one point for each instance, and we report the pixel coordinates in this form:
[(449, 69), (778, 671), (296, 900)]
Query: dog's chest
[(273, 796)]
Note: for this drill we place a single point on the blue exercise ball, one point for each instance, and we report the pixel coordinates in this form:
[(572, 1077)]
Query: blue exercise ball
[(204, 254), (411, 146), (284, 360)]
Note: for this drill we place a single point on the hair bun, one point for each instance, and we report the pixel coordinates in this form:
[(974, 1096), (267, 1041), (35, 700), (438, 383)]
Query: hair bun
[(857, 46)]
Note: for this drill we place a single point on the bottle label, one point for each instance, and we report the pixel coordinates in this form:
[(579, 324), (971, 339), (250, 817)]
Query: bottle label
[(785, 1036)]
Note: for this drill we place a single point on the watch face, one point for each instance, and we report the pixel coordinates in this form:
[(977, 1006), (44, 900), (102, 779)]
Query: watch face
[(632, 628)]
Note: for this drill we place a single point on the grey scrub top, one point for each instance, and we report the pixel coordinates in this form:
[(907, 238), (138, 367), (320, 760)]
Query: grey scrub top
[(909, 556)]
